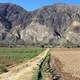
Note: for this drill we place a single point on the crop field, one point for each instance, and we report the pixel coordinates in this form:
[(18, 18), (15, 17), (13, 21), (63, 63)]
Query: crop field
[(11, 56), (67, 62)]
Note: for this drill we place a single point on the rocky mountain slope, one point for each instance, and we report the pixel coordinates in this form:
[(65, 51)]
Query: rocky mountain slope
[(56, 25)]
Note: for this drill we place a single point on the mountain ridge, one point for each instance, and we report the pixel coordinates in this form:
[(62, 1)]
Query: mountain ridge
[(50, 26)]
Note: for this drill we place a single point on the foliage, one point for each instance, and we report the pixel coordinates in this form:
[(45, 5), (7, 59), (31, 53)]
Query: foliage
[(69, 44)]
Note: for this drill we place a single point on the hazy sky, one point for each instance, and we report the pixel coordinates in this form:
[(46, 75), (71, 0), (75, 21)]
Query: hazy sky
[(34, 4)]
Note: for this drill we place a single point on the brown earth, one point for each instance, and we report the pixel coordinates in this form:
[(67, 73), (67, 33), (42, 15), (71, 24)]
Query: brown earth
[(67, 63)]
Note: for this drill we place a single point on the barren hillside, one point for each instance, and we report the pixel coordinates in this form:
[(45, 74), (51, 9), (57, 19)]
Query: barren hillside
[(56, 25)]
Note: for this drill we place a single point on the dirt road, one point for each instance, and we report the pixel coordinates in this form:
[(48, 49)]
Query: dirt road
[(25, 70)]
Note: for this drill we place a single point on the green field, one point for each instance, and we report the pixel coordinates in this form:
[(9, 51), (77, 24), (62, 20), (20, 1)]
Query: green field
[(11, 56)]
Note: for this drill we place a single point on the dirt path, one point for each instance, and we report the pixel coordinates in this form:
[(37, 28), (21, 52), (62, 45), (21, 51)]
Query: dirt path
[(25, 70)]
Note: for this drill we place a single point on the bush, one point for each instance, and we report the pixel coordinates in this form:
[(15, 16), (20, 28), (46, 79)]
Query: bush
[(69, 44)]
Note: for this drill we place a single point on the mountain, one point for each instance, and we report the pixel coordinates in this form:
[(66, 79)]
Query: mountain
[(56, 25)]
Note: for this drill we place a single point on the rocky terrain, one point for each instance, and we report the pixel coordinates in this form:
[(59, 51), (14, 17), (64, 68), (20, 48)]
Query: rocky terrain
[(56, 25)]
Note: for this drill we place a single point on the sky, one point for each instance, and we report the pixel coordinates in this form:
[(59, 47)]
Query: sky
[(30, 5)]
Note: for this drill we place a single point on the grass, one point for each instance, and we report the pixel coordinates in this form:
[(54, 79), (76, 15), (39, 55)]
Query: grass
[(11, 56)]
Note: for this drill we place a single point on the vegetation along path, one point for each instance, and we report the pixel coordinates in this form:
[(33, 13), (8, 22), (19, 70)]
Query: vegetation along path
[(25, 70)]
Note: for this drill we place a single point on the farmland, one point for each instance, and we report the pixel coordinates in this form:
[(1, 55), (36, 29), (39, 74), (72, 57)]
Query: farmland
[(52, 63), (12, 56), (67, 62)]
